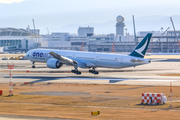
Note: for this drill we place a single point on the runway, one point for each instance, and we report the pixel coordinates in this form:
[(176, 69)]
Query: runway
[(150, 74), (89, 78)]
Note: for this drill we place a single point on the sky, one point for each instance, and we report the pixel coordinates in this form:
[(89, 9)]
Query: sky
[(126, 7), (59, 13), (10, 1)]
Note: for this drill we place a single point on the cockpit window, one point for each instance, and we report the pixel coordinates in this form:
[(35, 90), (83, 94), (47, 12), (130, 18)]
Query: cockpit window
[(28, 53)]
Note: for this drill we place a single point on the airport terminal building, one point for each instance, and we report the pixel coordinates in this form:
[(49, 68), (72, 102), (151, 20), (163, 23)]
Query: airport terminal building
[(85, 39), (17, 39)]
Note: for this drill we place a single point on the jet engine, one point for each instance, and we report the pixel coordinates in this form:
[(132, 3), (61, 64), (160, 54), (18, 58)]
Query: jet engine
[(54, 64)]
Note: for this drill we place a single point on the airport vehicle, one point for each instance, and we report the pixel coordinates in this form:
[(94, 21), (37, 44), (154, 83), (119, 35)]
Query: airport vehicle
[(56, 58), (21, 57), (5, 58)]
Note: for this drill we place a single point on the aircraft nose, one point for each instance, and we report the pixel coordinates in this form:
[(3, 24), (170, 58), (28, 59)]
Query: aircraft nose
[(25, 56)]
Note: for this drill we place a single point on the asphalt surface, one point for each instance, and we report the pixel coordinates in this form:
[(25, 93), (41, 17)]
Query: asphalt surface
[(150, 74), (88, 78)]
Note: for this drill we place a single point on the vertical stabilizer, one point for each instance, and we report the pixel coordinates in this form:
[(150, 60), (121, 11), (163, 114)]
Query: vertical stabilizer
[(141, 49)]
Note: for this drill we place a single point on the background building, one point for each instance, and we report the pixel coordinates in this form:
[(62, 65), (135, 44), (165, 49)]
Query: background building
[(120, 26), (86, 31), (56, 40), (17, 39), (12, 39)]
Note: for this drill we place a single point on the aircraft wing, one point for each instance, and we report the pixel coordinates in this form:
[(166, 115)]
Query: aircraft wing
[(63, 59)]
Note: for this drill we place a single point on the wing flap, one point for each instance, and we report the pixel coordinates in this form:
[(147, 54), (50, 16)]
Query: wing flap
[(63, 59)]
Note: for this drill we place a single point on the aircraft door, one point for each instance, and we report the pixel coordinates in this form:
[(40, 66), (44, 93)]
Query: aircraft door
[(97, 58), (120, 61), (31, 54), (74, 56)]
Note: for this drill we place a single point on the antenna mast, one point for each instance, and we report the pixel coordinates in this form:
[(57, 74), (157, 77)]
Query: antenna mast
[(134, 31), (173, 27), (34, 30)]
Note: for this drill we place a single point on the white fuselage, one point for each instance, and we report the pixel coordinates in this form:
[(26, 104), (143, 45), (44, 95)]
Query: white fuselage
[(104, 60)]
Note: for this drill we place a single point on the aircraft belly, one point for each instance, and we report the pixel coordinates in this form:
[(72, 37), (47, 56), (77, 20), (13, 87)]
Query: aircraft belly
[(38, 60), (107, 64)]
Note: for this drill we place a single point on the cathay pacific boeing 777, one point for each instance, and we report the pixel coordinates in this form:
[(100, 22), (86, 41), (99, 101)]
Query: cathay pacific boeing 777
[(56, 58)]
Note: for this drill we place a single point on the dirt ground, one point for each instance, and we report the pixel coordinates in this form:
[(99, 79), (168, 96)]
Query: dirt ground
[(76, 101)]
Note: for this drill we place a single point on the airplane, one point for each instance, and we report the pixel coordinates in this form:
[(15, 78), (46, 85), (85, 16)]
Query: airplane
[(90, 60)]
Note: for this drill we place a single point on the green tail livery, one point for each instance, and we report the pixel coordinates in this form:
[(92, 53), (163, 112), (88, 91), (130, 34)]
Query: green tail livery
[(141, 49)]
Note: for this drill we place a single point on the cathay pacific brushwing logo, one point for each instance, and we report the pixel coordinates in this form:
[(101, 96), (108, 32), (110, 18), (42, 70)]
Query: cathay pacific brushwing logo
[(140, 50)]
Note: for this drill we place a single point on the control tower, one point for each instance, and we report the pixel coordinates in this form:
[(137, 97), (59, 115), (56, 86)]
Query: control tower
[(120, 25)]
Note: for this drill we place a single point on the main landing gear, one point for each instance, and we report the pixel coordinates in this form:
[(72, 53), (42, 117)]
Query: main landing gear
[(93, 71), (75, 71), (33, 66)]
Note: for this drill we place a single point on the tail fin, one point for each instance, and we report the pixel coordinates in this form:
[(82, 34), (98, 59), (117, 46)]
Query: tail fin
[(141, 49)]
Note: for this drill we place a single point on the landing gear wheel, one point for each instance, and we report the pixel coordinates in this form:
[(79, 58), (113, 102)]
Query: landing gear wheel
[(93, 71), (33, 66), (90, 71), (96, 72), (72, 71), (76, 72)]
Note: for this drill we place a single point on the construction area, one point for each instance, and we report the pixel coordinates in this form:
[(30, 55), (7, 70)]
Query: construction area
[(164, 41)]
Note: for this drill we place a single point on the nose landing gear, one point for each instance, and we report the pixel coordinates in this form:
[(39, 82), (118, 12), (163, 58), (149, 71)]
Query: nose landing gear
[(33, 66)]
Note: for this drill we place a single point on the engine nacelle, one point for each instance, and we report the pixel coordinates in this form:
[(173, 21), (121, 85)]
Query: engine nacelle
[(54, 64)]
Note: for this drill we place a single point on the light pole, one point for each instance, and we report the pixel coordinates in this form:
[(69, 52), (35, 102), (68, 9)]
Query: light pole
[(126, 39)]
